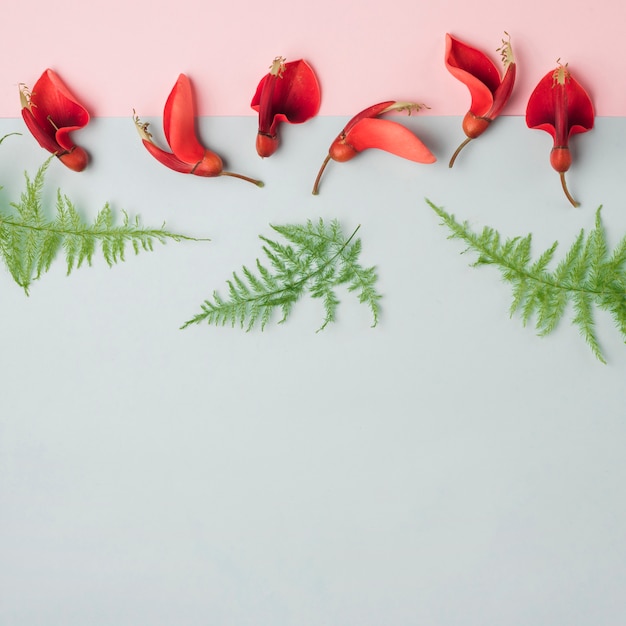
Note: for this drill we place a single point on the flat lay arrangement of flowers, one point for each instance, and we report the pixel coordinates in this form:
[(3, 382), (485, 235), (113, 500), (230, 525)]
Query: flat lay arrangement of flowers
[(312, 314), (318, 256)]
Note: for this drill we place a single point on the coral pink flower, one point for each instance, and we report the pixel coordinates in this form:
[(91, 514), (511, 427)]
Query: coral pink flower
[(561, 107), (365, 131), (188, 155), (488, 90), (51, 113), (288, 93)]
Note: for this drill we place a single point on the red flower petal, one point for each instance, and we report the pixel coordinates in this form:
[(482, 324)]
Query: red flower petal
[(167, 158), (296, 97), (475, 70), (56, 109), (503, 92), (390, 137), (51, 113), (179, 123), (373, 111), (45, 139), (550, 100)]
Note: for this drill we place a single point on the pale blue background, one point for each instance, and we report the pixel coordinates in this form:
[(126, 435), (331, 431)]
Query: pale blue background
[(448, 467)]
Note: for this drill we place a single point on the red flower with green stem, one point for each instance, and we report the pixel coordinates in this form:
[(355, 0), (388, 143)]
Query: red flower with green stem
[(188, 155), (288, 93), (365, 131), (561, 107), (488, 90), (51, 113)]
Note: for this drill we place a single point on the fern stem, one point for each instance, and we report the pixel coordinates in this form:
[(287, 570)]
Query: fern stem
[(330, 261), (497, 259), (306, 277), (119, 230)]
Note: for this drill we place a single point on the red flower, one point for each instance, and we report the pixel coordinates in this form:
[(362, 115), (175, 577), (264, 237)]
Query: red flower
[(51, 113), (289, 93), (489, 92), (188, 155), (365, 131), (561, 107)]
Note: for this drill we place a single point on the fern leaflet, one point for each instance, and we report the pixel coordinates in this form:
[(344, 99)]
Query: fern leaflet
[(316, 258), (29, 242), (586, 278)]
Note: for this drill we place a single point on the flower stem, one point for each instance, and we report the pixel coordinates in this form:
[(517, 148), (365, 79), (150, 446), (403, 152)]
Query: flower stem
[(456, 153), (319, 175), (254, 181), (567, 193)]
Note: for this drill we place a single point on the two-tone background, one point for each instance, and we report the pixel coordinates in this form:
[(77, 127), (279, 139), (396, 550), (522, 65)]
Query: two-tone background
[(448, 467)]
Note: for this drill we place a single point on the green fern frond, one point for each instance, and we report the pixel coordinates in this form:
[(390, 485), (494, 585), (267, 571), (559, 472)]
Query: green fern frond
[(587, 277), (316, 258), (29, 242), (8, 135)]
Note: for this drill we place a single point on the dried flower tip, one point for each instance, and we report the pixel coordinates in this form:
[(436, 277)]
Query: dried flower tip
[(142, 127), (506, 51), (561, 74), (25, 97), (409, 107), (278, 66)]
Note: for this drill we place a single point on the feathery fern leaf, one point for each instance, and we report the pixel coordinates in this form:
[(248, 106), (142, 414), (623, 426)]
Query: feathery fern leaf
[(29, 242), (317, 258), (586, 278)]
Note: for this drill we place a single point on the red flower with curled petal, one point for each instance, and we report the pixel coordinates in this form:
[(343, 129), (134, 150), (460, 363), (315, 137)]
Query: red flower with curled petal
[(288, 93), (188, 155), (561, 107), (365, 131), (489, 91), (51, 113)]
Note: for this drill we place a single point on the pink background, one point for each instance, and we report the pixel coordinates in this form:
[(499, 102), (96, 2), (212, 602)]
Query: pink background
[(120, 55)]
